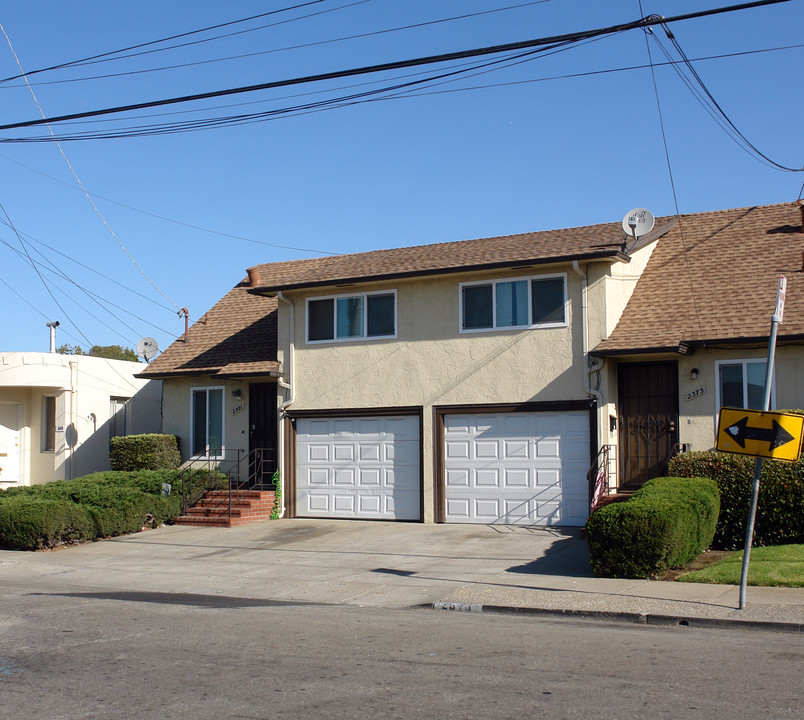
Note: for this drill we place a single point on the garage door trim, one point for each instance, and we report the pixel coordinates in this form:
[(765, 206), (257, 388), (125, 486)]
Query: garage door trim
[(290, 444), (441, 412)]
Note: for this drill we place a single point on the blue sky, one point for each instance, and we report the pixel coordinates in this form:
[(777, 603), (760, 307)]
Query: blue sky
[(530, 150)]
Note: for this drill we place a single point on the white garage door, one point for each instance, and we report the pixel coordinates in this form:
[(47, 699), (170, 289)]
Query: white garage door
[(361, 467), (517, 468)]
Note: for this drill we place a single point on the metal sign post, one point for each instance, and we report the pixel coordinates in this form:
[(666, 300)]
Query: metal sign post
[(776, 320)]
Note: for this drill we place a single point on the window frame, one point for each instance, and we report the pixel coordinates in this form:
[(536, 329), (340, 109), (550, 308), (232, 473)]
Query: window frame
[(364, 336), (206, 390), (529, 279), (122, 411), (48, 424), (744, 362)]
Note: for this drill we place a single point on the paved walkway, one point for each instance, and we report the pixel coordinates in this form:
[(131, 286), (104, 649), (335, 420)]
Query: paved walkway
[(397, 565)]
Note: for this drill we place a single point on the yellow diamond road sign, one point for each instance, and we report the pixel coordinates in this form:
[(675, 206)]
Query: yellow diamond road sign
[(763, 434)]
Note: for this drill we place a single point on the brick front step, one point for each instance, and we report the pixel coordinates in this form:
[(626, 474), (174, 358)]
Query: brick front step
[(212, 510)]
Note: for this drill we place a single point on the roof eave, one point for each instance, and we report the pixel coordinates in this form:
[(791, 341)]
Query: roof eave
[(687, 347), (616, 255)]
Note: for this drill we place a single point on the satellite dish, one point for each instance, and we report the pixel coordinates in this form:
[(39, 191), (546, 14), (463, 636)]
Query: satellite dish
[(147, 348), (638, 222)]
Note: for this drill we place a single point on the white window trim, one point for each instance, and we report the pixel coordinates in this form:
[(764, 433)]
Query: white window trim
[(744, 362), (361, 338), (493, 282), (206, 455)]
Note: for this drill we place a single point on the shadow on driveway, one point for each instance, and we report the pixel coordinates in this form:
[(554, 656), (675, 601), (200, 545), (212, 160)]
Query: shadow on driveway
[(568, 557)]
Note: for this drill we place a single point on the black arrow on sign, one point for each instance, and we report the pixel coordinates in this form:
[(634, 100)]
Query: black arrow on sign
[(775, 436)]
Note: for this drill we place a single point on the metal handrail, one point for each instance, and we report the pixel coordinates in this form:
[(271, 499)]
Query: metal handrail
[(241, 470), (599, 476)]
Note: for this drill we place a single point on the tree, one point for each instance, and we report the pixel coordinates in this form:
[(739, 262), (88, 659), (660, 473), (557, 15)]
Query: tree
[(111, 352), (114, 352)]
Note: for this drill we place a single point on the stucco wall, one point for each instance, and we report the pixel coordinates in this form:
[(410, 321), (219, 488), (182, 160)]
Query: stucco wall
[(176, 417), (698, 415), (431, 363)]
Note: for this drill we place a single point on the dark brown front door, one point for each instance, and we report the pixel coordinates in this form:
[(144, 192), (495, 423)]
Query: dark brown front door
[(648, 403), (262, 432)]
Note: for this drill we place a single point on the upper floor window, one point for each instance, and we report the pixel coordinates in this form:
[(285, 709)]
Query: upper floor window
[(741, 383), (207, 422), (516, 303), (352, 317)]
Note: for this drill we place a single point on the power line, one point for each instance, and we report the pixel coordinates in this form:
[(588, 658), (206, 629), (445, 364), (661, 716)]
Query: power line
[(107, 55), (384, 67), (158, 217), (731, 128), (299, 46), (78, 180), (86, 267)]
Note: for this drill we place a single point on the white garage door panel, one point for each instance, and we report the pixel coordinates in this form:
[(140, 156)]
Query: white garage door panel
[(365, 467), (517, 468)]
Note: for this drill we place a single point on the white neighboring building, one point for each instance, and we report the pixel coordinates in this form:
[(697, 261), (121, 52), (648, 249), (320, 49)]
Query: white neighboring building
[(58, 412)]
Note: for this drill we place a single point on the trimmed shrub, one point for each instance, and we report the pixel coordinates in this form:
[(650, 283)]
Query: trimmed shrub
[(780, 514), (144, 452), (103, 504), (664, 525), (33, 524)]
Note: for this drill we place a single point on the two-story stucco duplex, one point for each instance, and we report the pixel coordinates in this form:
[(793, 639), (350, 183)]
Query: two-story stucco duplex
[(479, 381)]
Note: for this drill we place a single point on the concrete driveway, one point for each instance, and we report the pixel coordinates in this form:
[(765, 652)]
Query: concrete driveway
[(320, 561)]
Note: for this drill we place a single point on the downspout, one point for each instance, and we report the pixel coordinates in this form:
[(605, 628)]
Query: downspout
[(72, 434), (597, 363), (290, 387)]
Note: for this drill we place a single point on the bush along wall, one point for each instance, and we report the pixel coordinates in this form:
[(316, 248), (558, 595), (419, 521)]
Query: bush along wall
[(144, 452), (100, 505), (780, 510), (664, 525)]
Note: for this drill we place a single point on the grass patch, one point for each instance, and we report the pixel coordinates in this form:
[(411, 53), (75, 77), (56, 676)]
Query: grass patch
[(776, 566)]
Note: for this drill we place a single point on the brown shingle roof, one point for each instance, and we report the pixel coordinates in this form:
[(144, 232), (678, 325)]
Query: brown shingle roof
[(712, 279), (600, 241), (236, 338)]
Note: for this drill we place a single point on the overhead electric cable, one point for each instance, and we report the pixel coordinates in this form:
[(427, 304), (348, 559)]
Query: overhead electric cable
[(299, 46), (78, 180), (747, 143), (86, 60), (229, 120), (52, 268), (87, 267), (672, 180), (383, 67)]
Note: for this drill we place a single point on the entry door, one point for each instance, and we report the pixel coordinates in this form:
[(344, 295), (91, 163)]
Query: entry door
[(262, 432), (648, 403), (10, 439)]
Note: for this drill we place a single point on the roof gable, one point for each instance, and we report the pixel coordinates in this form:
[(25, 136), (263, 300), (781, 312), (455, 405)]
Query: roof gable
[(713, 279)]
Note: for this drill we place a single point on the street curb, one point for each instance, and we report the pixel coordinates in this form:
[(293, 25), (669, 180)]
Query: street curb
[(631, 617)]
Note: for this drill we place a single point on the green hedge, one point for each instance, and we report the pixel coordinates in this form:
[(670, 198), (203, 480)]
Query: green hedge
[(100, 505), (780, 510), (32, 524), (144, 452), (664, 525)]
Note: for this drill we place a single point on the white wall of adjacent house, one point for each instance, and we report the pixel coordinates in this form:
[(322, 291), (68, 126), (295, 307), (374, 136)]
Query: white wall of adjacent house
[(65, 409)]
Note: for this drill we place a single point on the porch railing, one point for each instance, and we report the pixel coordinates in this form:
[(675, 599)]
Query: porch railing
[(601, 474), (233, 471)]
